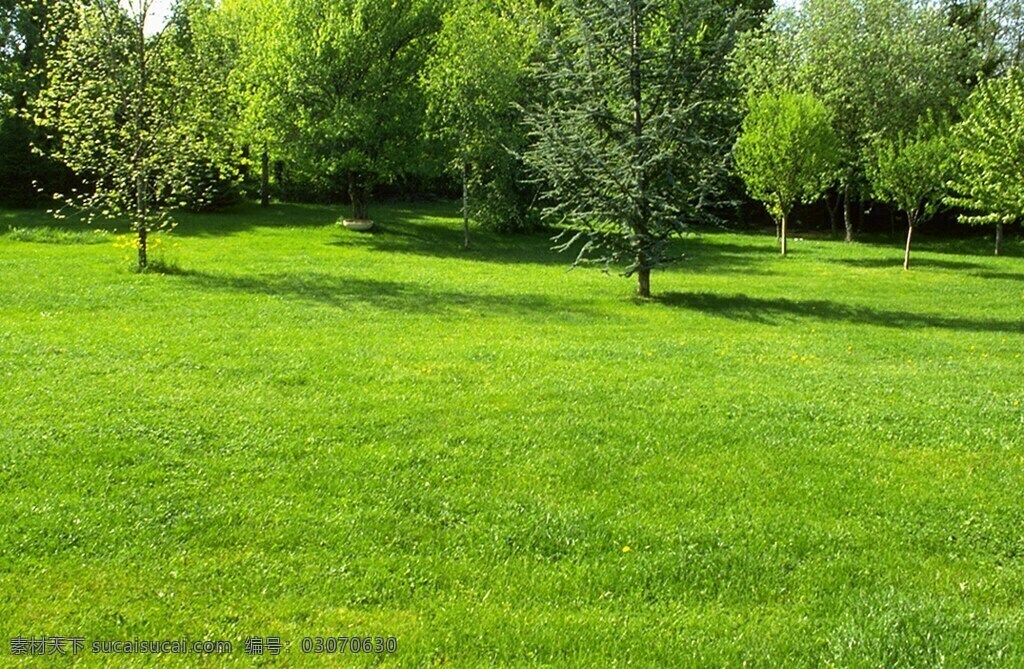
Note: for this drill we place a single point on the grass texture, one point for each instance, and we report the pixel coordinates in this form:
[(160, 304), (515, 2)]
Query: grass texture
[(295, 430)]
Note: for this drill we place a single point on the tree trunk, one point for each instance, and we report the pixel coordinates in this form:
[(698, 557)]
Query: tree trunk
[(642, 217), (465, 205), (140, 213), (999, 239), (265, 179), (140, 158), (847, 214), (910, 235), (643, 288), (833, 213), (358, 195), (784, 221), (143, 256)]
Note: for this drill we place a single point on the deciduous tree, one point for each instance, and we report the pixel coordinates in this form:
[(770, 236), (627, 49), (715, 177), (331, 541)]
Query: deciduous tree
[(474, 79), (111, 114), (877, 65), (787, 152), (350, 76), (910, 172), (988, 179)]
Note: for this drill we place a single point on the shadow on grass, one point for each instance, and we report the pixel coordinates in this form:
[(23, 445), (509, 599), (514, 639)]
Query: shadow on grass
[(239, 218), (345, 292), (244, 217), (702, 255), (417, 231), (897, 262), (775, 311), (1002, 276)]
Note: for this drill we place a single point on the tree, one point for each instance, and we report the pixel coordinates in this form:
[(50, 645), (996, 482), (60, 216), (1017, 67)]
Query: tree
[(121, 102), (787, 152), (988, 181), (473, 80), (632, 137), (104, 101), (1002, 26), (350, 71), (200, 59), (877, 65), (910, 172), (256, 30)]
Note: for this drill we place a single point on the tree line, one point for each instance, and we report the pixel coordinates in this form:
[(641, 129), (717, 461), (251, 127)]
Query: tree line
[(622, 123)]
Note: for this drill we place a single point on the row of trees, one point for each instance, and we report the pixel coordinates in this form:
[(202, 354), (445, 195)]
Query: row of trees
[(899, 102), (622, 121)]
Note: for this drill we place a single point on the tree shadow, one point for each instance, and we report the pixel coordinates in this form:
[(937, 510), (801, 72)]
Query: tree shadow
[(248, 216), (342, 292), (227, 221), (967, 243), (701, 256), (777, 311), (897, 262), (417, 231), (1002, 276)]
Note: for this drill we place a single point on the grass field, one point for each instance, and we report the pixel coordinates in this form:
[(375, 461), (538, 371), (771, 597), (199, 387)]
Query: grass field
[(814, 461)]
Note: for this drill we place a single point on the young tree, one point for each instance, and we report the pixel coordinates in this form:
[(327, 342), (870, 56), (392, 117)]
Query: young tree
[(350, 74), (988, 180), (786, 153), (473, 79), (632, 138), (106, 104), (910, 172)]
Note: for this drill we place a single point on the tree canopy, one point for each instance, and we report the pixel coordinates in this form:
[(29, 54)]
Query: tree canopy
[(988, 182), (787, 152), (910, 172), (350, 75)]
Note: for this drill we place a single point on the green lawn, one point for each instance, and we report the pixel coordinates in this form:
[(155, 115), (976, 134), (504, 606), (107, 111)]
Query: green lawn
[(814, 461)]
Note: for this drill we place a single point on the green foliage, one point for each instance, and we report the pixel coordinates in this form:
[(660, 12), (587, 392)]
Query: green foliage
[(787, 151), (24, 54), (911, 171), (109, 105), (988, 181), (877, 65), (475, 75), (138, 114), (206, 166), (476, 81), (351, 70), (255, 32), (631, 138)]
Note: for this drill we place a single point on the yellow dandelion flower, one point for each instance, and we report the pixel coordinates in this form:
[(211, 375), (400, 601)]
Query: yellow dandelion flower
[(626, 549)]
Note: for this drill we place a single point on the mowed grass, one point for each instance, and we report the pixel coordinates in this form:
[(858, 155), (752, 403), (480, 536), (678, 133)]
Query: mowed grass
[(815, 461)]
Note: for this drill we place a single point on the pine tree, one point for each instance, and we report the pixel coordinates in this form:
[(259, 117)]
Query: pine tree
[(632, 138)]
